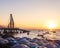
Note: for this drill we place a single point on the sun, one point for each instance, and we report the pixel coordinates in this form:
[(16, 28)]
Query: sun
[(51, 24)]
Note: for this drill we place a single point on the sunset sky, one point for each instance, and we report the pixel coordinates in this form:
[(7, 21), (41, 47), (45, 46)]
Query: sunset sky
[(32, 14)]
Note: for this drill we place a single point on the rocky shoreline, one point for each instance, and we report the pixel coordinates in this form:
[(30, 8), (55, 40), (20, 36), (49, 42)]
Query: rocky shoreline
[(25, 42)]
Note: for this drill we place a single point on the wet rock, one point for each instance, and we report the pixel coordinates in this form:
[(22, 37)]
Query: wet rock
[(20, 46), (12, 41)]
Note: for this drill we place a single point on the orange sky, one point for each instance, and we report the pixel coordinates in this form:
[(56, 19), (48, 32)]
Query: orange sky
[(32, 14)]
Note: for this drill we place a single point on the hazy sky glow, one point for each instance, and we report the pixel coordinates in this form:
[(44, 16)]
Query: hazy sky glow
[(30, 13)]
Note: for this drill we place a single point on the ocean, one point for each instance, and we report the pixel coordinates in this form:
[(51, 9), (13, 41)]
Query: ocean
[(37, 34)]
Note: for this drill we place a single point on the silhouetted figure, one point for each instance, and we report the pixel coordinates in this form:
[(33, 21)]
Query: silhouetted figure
[(27, 33)]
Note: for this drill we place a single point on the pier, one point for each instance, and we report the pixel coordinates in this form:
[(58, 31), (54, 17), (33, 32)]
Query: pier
[(11, 28)]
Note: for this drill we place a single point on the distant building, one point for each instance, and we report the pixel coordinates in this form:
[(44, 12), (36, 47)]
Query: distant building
[(11, 23)]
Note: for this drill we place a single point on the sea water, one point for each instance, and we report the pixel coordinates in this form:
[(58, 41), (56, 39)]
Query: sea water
[(34, 34)]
